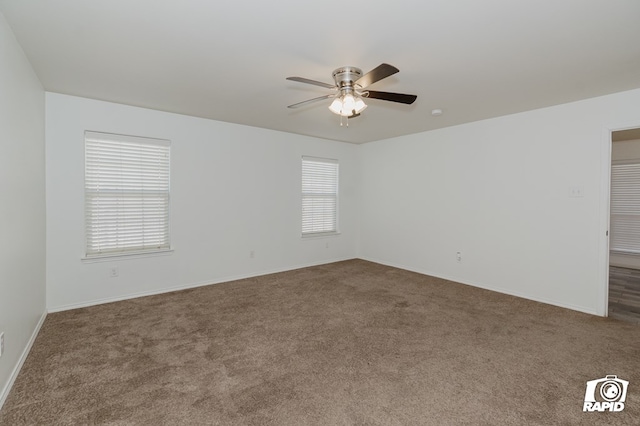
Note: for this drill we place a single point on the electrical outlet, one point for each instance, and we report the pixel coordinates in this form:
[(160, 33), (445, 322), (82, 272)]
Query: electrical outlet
[(1, 343), (459, 256), (576, 192), (114, 272), (326, 245), (252, 254)]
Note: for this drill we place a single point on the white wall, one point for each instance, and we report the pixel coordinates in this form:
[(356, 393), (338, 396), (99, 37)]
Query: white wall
[(498, 191), (625, 150), (233, 189), (22, 212)]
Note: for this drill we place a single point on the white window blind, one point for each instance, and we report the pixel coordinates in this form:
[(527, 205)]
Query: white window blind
[(319, 196), (126, 194), (625, 208)]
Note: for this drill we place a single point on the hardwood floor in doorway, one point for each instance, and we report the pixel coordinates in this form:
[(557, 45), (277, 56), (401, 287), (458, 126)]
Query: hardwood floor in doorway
[(624, 294)]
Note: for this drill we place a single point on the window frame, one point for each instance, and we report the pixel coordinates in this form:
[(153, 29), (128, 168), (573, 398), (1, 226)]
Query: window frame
[(306, 195), (164, 193)]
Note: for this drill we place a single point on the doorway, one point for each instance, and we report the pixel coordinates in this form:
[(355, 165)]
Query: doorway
[(624, 220)]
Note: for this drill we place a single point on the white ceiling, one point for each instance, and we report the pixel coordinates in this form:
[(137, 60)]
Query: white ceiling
[(228, 60)]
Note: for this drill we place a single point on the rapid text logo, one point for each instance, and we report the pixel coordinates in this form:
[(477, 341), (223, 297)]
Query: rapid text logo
[(606, 394)]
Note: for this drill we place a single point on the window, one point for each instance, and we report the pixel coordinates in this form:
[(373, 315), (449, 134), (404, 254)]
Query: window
[(126, 194), (319, 196), (625, 207)]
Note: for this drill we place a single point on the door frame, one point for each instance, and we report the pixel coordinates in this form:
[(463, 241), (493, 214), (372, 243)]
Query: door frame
[(605, 208)]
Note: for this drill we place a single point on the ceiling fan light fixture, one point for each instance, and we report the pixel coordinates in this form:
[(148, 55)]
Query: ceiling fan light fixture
[(360, 105), (336, 106), (348, 102), (347, 105)]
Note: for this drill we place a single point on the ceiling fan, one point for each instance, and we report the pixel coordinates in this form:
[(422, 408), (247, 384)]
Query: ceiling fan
[(351, 86)]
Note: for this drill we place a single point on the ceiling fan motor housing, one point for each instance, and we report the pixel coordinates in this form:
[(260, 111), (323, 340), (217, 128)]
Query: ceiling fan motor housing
[(345, 78)]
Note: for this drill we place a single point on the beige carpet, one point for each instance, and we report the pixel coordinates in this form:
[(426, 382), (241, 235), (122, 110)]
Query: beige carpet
[(349, 343)]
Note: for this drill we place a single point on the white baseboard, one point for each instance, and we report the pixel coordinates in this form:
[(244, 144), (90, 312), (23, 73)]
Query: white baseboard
[(21, 360), (489, 287), (188, 286)]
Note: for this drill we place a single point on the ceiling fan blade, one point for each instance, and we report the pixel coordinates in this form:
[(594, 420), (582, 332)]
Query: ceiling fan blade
[(393, 97), (376, 74), (314, 82), (309, 101)]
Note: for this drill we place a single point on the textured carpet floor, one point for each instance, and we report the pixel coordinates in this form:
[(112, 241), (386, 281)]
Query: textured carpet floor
[(349, 343)]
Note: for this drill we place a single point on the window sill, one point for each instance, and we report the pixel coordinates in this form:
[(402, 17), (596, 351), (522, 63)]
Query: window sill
[(125, 256), (320, 235), (624, 253)]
